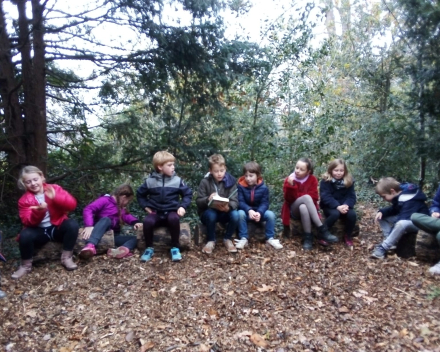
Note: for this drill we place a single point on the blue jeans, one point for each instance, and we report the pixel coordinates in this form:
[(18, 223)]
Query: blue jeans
[(268, 217), (102, 226), (211, 216)]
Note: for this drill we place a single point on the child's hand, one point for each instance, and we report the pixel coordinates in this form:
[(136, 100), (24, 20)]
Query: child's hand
[(223, 207), (181, 211), (435, 215), (257, 216), (253, 215), (87, 232), (49, 192), (343, 209), (148, 210), (291, 180), (138, 226), (378, 216), (212, 196)]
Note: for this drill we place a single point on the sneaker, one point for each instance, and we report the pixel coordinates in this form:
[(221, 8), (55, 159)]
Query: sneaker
[(241, 243), (175, 254), (435, 270), (209, 247), (379, 252), (274, 243), (148, 254), (230, 246), (119, 253), (348, 241), (88, 251)]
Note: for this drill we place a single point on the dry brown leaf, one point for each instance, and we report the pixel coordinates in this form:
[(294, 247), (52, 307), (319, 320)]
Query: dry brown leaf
[(265, 261), (344, 309), (154, 294), (266, 288), (259, 340), (213, 313), (129, 337), (146, 346), (203, 348), (31, 313), (413, 263)]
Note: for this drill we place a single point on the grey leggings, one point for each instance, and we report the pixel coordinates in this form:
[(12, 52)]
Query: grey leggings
[(305, 209)]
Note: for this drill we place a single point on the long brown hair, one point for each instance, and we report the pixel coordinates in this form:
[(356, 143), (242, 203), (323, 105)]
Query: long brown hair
[(348, 179), (122, 190)]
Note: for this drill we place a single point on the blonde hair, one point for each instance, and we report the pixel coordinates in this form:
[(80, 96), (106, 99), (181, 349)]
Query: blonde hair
[(386, 184), (161, 158), (28, 170), (327, 176), (216, 159)]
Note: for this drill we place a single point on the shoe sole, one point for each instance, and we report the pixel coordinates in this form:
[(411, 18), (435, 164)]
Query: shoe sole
[(86, 254), (146, 260), (376, 257)]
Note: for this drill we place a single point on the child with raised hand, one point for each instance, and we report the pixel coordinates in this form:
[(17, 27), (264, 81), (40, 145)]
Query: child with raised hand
[(395, 220), (338, 197), (218, 182), (165, 198), (43, 211), (253, 204), (430, 224), (301, 202), (109, 212)]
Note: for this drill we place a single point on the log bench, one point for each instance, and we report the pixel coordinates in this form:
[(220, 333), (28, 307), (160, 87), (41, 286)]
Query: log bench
[(162, 239), (337, 229), (421, 245), (255, 230)]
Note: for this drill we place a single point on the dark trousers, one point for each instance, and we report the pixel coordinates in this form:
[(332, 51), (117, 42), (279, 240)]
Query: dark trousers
[(332, 215), (170, 220), (31, 237), (102, 226)]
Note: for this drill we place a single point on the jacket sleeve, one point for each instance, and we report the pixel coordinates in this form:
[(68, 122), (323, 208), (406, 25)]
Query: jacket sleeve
[(128, 218), (92, 209), (29, 217), (264, 204), (186, 193), (388, 211), (242, 200), (435, 206), (63, 200), (233, 201), (142, 195), (203, 194), (290, 192), (327, 199), (350, 198)]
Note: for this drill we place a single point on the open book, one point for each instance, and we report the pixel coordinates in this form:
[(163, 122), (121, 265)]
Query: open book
[(217, 200)]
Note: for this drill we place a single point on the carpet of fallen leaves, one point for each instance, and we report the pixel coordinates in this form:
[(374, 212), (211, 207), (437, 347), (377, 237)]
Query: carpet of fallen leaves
[(257, 300)]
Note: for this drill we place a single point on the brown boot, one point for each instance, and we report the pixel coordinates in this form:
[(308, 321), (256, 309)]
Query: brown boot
[(67, 261), (25, 267)]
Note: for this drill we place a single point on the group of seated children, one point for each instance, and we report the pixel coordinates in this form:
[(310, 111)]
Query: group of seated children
[(165, 197)]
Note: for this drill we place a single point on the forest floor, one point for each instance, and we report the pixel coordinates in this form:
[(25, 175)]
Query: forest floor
[(257, 300)]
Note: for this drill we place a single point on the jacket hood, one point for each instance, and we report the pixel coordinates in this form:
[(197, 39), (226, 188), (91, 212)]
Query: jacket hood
[(242, 182), (410, 191)]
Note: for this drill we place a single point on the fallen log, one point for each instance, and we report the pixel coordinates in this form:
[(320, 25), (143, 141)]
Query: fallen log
[(338, 229), (255, 230), (162, 238), (52, 250)]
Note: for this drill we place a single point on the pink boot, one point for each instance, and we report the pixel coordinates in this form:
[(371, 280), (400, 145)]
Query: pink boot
[(25, 267), (88, 251), (67, 261), (119, 253)]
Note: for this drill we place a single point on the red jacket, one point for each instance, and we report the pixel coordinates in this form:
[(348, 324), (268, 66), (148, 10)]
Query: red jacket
[(292, 193), (58, 207)]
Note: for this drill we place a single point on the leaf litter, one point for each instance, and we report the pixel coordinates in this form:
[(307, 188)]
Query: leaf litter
[(257, 300)]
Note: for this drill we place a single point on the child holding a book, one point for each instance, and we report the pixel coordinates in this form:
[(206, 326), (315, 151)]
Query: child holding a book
[(218, 182)]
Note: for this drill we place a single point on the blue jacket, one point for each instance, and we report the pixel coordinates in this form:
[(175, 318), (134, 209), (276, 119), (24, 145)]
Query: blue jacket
[(333, 196), (254, 198), (163, 193), (435, 206), (411, 200)]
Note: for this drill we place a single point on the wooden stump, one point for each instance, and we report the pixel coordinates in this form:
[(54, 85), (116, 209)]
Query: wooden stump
[(406, 247), (162, 238), (255, 230), (337, 229), (427, 247), (52, 250)]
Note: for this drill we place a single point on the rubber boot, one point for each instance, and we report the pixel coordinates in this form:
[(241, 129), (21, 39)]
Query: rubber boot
[(324, 234), (286, 231), (25, 268), (67, 261), (307, 241)]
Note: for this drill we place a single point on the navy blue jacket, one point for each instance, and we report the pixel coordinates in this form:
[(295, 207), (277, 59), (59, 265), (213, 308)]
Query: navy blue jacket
[(332, 197), (163, 193), (254, 198), (435, 206), (411, 200)]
